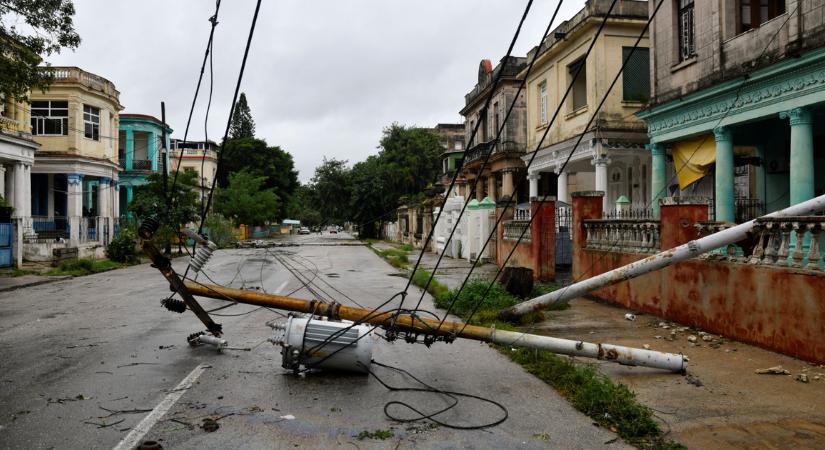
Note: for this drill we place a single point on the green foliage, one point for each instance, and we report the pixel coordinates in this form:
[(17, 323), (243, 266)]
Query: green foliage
[(242, 125), (611, 405), (330, 190), (30, 30), (245, 201), (407, 247), (259, 159), (219, 230), (149, 200), (396, 258), (377, 434), (81, 267), (302, 207), (436, 288), (122, 248)]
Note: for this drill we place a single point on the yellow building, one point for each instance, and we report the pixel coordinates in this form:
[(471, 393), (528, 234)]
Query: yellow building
[(197, 156), (74, 180), (611, 156)]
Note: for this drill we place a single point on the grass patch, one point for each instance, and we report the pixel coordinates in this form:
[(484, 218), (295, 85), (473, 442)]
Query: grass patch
[(406, 247), (611, 405), (81, 267), (18, 273), (436, 288), (377, 434)]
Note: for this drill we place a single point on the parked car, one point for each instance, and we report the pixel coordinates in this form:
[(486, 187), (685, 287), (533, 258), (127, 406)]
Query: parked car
[(303, 230), (332, 230)]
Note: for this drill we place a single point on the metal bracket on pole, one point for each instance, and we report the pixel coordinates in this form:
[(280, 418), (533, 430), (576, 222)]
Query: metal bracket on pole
[(146, 231)]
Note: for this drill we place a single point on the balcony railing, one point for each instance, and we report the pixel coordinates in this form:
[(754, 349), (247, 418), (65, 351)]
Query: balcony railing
[(141, 164), (789, 242), (622, 235), (8, 124), (514, 228), (482, 150), (522, 212)]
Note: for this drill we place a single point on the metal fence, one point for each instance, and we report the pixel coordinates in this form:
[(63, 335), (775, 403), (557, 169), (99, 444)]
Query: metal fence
[(50, 228)]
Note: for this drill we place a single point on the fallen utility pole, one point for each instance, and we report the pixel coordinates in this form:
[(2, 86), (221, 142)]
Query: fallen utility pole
[(451, 329), (656, 262)]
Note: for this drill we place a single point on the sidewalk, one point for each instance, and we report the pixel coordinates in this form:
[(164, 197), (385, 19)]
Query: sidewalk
[(12, 283), (722, 402)]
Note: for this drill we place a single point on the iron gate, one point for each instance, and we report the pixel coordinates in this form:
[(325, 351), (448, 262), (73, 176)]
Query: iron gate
[(6, 243), (564, 234)]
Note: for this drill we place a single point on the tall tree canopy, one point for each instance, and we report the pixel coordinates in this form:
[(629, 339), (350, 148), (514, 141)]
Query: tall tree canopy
[(242, 125), (246, 201), (259, 159), (29, 31), (407, 163), (149, 200)]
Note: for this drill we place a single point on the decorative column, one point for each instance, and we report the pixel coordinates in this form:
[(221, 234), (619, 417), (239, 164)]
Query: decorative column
[(491, 187), (479, 189), (725, 211), (802, 154), (116, 199), (507, 182), (534, 178), (19, 190), (601, 162), (130, 149), (3, 181), (104, 211), (561, 187), (658, 179), (74, 205)]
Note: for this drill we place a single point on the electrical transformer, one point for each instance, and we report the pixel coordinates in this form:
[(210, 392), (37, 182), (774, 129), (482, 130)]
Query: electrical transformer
[(314, 342)]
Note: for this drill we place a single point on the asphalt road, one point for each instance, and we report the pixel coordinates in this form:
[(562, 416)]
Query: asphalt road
[(72, 348)]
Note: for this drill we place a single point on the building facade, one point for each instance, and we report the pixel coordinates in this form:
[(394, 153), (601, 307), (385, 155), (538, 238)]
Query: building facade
[(495, 179), (611, 156), (738, 96), (74, 180), (140, 153), (451, 137), (197, 156)]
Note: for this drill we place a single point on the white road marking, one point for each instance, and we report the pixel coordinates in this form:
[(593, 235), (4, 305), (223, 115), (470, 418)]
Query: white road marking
[(133, 438)]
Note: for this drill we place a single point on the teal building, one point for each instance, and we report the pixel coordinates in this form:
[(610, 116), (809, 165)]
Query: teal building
[(738, 110), (139, 153)]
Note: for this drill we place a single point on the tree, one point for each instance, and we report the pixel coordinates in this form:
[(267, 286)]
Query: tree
[(242, 124), (30, 30), (256, 157), (149, 201), (372, 201), (330, 186), (245, 201), (412, 157)]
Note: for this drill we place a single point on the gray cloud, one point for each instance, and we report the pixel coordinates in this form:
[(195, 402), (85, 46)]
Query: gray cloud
[(323, 77)]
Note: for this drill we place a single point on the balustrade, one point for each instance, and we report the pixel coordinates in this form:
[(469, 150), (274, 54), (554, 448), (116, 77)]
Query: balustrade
[(626, 236), (788, 242), (513, 230)]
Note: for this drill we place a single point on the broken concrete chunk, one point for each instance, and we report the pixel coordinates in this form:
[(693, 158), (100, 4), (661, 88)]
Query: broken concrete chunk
[(802, 377), (646, 346), (692, 338), (776, 370), (707, 338)]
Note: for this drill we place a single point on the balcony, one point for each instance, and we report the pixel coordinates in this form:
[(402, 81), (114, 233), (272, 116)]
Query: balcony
[(77, 75), (141, 164), (481, 151)]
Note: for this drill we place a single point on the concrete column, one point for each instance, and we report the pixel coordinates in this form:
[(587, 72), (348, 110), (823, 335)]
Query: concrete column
[(2, 181), (802, 154), (50, 195), (11, 192), (153, 151), (601, 162), (725, 210), (19, 190), (116, 198), (561, 188), (74, 205), (479, 189), (507, 183), (658, 179), (761, 176), (27, 200), (534, 178), (130, 148), (491, 187), (104, 197)]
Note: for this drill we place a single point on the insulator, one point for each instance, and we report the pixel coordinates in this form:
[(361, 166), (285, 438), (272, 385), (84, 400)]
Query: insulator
[(174, 305), (202, 255), (192, 339), (148, 227)]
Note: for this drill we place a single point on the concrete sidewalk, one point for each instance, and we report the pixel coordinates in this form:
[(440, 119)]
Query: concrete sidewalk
[(12, 283)]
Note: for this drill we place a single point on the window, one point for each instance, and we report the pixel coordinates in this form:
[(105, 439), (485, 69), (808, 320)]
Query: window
[(50, 118), (578, 78), (543, 103), (636, 75), (458, 145), (91, 122), (496, 118), (687, 48), (753, 13)]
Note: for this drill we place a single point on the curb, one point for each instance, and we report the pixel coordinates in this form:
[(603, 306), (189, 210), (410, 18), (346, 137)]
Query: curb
[(45, 280)]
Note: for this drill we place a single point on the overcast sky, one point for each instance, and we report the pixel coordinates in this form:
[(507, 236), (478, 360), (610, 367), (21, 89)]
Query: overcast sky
[(323, 77)]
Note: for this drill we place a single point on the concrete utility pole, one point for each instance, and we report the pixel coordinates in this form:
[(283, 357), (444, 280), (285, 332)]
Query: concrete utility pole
[(656, 262), (405, 322), (163, 151)]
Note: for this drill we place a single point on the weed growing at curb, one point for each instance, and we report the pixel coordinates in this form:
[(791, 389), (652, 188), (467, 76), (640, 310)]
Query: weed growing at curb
[(81, 267)]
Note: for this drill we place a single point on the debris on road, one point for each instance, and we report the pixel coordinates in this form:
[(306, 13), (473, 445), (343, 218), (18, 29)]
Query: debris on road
[(210, 425), (776, 370), (79, 397), (630, 316), (692, 339), (802, 377)]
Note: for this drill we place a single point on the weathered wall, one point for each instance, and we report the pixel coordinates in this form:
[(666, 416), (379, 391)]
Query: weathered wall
[(773, 307)]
